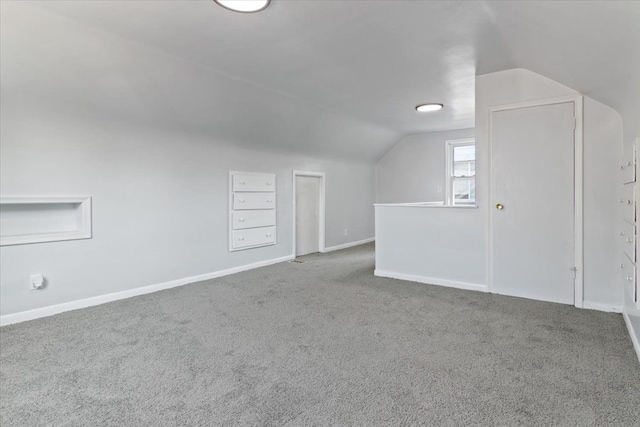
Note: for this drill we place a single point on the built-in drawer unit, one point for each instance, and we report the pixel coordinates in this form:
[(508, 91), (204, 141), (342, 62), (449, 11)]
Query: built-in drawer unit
[(246, 201), (628, 230), (627, 202), (252, 219), (254, 182), (252, 210), (252, 237)]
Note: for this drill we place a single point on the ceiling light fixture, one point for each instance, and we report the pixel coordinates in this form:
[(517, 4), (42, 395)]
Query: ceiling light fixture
[(426, 108), (244, 6)]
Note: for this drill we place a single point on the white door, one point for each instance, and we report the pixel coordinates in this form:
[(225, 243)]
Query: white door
[(307, 215), (532, 175)]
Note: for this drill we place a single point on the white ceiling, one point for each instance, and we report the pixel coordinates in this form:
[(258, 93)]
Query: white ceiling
[(371, 62)]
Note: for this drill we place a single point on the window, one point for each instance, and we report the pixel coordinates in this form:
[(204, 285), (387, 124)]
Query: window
[(461, 172)]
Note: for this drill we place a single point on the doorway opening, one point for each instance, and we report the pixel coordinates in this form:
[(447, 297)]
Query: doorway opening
[(308, 212)]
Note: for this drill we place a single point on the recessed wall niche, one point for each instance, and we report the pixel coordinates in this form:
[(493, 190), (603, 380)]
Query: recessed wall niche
[(26, 220)]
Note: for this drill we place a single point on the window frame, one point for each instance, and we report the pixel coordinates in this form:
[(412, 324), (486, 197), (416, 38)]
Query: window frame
[(449, 168)]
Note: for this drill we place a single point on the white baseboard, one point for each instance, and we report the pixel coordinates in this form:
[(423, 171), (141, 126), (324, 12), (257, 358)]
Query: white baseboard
[(431, 281), (601, 307), (348, 245), (37, 313), (633, 333)]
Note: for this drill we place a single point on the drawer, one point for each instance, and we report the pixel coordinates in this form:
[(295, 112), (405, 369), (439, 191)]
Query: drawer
[(251, 182), (627, 202), (252, 219), (628, 236), (253, 237), (628, 273), (628, 167), (244, 201)]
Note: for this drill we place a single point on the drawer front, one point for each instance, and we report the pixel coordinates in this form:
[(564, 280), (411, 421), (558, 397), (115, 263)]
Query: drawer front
[(628, 273), (245, 201), (628, 237), (627, 202), (252, 219), (253, 237), (627, 168), (254, 182)]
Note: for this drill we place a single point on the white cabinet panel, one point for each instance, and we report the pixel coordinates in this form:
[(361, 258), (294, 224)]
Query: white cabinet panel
[(244, 201), (627, 202), (254, 182), (253, 237), (252, 219)]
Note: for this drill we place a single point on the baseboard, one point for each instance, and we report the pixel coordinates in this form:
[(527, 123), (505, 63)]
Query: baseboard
[(431, 281), (348, 245), (633, 333), (37, 313), (601, 307)]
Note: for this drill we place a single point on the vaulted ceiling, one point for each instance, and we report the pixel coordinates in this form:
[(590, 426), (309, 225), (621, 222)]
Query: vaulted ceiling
[(337, 78)]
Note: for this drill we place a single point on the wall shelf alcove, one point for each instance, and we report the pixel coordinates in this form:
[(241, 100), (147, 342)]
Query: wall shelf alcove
[(26, 220)]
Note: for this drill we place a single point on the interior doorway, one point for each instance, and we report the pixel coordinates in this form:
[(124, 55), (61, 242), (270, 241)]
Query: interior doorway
[(535, 222), (308, 213)]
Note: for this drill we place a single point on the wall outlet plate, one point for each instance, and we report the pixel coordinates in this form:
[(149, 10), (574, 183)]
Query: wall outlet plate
[(36, 282)]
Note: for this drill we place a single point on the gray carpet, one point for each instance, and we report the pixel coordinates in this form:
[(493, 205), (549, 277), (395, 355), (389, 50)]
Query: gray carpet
[(320, 343)]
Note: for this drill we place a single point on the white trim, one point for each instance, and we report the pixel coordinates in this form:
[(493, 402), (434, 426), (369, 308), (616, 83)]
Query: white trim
[(349, 245), (449, 165), (84, 232), (632, 332), (608, 308), (577, 101), (37, 313), (431, 281), (321, 214)]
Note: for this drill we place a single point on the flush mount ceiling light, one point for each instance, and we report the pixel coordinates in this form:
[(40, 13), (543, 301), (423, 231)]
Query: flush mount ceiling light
[(244, 6), (425, 108)]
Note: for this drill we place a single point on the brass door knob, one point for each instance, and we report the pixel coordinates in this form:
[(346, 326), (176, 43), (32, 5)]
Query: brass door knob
[(499, 206)]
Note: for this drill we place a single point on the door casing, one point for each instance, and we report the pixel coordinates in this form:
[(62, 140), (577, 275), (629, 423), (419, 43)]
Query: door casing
[(321, 216)]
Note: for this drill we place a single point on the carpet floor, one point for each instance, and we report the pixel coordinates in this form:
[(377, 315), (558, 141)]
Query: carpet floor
[(320, 343)]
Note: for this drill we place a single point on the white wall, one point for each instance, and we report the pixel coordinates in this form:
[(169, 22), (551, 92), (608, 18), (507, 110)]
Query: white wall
[(160, 204), (425, 244), (414, 169), (602, 139), (85, 113), (602, 142)]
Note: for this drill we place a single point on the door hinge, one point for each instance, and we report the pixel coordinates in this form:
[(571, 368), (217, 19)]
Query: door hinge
[(575, 123), (575, 272)]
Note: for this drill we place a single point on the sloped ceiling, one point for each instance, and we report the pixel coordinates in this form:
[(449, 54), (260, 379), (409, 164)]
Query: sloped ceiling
[(334, 78)]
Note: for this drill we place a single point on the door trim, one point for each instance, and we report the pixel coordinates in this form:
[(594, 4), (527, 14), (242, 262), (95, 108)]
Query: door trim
[(321, 216), (577, 100)]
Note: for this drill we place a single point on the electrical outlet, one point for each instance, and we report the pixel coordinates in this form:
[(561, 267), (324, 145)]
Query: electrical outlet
[(36, 282), (439, 189), (346, 231)]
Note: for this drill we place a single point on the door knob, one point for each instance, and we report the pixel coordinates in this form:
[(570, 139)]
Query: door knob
[(499, 206)]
